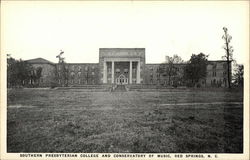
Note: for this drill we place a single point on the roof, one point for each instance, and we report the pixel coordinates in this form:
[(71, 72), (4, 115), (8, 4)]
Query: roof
[(121, 48), (217, 60), (82, 63), (39, 61)]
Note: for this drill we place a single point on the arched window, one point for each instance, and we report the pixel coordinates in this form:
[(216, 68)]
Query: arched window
[(126, 71), (117, 70)]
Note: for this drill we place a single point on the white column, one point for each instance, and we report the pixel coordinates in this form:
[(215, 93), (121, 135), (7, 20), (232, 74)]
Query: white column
[(104, 72), (130, 72), (113, 72), (138, 74)]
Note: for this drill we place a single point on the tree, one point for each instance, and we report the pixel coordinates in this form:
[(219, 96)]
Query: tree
[(11, 71), (239, 75), (169, 67), (229, 54), (62, 70), (18, 72), (196, 69), (36, 75)]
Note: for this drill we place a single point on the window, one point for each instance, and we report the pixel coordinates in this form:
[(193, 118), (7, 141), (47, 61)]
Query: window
[(79, 68), (72, 74), (109, 70), (225, 81), (86, 68), (214, 66), (93, 67), (225, 66), (73, 67), (117, 70), (214, 74), (93, 73), (126, 71), (79, 74), (151, 81), (134, 70)]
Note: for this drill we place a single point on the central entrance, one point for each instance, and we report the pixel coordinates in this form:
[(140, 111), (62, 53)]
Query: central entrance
[(121, 71), (121, 80)]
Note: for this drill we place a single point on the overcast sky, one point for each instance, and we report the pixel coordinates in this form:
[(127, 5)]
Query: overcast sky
[(34, 29)]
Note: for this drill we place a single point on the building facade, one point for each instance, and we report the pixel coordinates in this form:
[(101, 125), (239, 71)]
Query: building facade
[(47, 74), (124, 66)]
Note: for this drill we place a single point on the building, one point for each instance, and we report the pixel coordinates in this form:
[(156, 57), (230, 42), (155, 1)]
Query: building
[(124, 66), (48, 71)]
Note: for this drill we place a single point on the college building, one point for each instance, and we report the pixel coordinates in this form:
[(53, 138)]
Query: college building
[(123, 66)]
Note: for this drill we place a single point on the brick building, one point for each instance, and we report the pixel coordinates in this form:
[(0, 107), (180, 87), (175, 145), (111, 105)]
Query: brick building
[(123, 66)]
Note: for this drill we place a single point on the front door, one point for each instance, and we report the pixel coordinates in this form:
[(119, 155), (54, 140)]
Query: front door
[(121, 80)]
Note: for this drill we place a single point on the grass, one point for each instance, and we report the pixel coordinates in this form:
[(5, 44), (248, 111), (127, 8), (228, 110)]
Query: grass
[(47, 120)]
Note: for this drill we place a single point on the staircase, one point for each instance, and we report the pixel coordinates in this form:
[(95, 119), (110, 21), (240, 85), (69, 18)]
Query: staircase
[(120, 88)]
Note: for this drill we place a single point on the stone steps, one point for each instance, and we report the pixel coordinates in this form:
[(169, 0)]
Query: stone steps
[(120, 88)]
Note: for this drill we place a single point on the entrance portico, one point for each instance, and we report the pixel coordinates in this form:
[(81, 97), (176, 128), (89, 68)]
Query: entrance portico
[(122, 65), (121, 71)]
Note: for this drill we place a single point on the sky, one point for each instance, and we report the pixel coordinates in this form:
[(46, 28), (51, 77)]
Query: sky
[(32, 29)]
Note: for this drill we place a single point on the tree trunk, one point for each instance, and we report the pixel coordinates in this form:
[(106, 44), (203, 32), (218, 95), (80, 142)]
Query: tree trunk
[(228, 74)]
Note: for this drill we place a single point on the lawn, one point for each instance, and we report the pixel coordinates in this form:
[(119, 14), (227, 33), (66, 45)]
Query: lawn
[(174, 121)]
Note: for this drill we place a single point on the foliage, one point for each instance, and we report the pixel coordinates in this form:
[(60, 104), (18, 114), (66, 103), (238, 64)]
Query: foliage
[(19, 73), (62, 72), (239, 75), (196, 69), (229, 53), (169, 67)]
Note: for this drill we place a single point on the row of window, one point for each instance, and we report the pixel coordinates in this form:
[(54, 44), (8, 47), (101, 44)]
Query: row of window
[(79, 81), (219, 82), (79, 68), (158, 69), (214, 73), (214, 66), (72, 74), (119, 71)]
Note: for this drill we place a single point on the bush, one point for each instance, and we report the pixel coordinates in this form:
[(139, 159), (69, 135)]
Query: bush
[(198, 85), (175, 85), (189, 84), (53, 85)]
